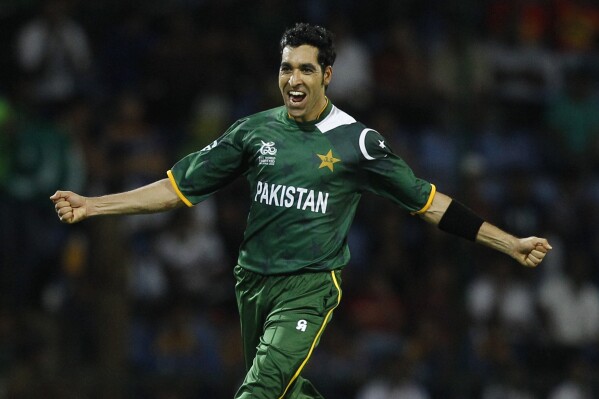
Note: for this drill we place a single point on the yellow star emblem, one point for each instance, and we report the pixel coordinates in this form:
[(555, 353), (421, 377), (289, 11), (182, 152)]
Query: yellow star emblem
[(328, 160)]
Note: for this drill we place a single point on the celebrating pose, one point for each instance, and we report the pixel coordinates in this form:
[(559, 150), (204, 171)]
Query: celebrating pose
[(307, 163)]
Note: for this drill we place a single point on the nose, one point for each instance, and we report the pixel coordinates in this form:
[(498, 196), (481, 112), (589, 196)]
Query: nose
[(295, 78)]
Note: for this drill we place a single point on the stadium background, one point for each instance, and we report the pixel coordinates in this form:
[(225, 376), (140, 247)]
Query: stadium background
[(494, 101)]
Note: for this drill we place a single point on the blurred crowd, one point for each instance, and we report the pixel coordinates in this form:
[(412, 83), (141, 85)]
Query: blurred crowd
[(494, 101)]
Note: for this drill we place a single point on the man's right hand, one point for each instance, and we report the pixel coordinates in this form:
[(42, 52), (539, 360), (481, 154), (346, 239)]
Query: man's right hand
[(70, 207)]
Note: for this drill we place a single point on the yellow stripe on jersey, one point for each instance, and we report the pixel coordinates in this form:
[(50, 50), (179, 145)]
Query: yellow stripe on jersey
[(428, 204), (324, 324), (179, 193)]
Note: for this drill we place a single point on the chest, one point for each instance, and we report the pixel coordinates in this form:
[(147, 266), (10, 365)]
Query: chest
[(301, 158)]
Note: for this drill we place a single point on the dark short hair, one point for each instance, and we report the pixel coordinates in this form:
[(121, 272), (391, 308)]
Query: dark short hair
[(313, 35)]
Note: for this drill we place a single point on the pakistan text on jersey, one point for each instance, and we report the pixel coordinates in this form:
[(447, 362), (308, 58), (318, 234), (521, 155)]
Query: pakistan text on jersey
[(291, 197)]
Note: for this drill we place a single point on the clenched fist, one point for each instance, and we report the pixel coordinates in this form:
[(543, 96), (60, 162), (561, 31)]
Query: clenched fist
[(70, 207)]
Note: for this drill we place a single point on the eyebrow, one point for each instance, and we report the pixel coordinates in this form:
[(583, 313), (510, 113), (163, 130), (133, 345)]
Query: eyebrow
[(304, 65)]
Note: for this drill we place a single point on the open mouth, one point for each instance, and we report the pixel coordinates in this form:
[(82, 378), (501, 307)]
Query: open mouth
[(296, 97)]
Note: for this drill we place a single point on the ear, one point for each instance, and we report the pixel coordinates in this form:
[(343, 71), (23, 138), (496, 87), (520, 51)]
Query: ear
[(327, 75)]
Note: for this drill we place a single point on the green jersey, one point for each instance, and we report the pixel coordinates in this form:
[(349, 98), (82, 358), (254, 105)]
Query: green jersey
[(306, 180)]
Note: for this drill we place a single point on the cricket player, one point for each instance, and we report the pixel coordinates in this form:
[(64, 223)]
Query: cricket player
[(307, 164)]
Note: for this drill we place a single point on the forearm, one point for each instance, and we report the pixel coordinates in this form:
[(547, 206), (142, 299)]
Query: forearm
[(487, 234), (497, 239), (455, 218), (156, 197)]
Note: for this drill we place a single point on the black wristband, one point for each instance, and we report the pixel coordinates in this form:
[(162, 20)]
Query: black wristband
[(461, 221)]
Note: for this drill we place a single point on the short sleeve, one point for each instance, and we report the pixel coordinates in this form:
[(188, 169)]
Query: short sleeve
[(202, 173), (389, 176)]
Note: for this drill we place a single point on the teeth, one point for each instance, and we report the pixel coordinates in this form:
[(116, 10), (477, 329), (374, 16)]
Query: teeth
[(296, 93)]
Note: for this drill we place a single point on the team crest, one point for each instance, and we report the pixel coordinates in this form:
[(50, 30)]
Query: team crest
[(328, 160), (267, 153)]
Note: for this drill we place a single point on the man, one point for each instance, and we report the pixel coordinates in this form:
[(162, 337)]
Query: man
[(307, 163)]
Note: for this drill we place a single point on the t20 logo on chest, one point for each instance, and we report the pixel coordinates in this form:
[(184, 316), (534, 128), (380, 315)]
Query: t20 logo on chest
[(267, 153)]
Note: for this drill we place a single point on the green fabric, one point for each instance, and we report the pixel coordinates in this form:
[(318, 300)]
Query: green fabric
[(282, 320), (306, 181)]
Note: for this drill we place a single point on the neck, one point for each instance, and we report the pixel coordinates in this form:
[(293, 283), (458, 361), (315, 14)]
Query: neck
[(307, 120)]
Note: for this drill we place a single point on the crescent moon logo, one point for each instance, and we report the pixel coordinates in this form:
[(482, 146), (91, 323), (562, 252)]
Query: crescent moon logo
[(363, 144)]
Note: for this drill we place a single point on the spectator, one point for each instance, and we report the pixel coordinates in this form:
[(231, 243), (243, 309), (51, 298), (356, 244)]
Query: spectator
[(134, 146), (399, 382), (379, 333), (54, 54), (503, 325), (352, 68), (123, 53), (185, 343), (573, 120), (570, 306), (43, 154), (512, 384), (192, 252), (521, 208), (402, 75), (498, 293), (578, 384), (571, 303)]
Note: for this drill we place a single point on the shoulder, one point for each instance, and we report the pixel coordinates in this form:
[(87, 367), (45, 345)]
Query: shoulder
[(338, 119), (245, 128), (262, 117), (369, 143), (253, 121)]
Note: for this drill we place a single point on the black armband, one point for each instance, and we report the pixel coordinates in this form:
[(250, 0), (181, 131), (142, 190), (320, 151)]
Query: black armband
[(461, 221)]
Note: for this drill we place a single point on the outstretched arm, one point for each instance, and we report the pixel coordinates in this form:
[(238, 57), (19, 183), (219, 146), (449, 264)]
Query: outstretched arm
[(155, 197), (528, 251)]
